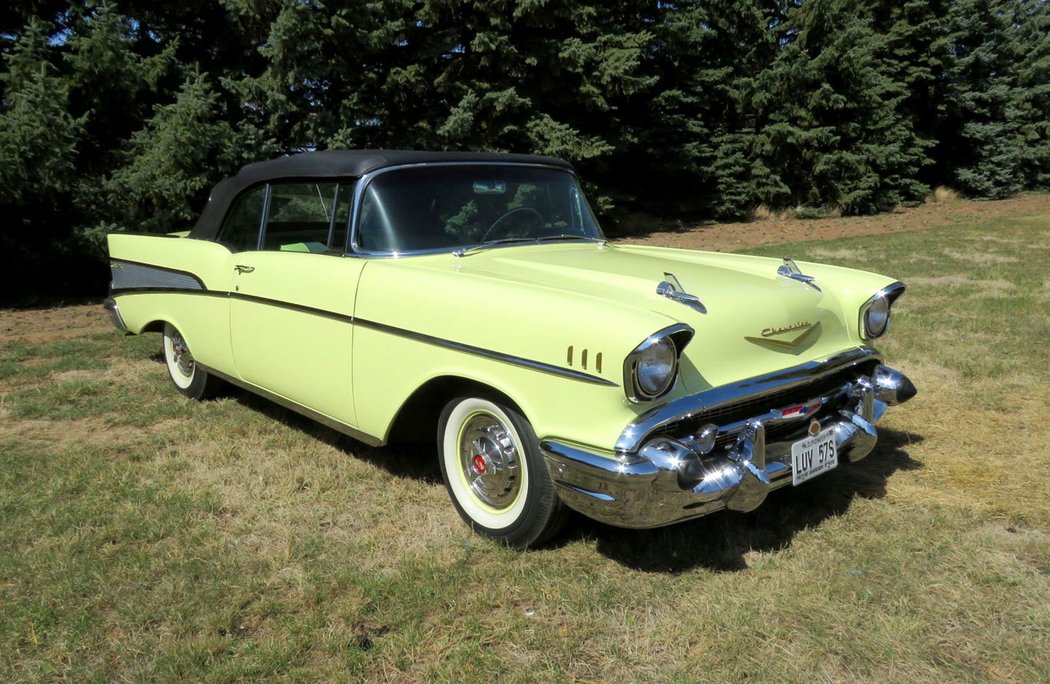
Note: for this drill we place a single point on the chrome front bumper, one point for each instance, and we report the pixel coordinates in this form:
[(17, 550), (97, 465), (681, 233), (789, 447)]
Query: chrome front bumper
[(677, 471)]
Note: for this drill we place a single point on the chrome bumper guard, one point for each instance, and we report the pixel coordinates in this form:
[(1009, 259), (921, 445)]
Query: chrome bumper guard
[(673, 478), (110, 306)]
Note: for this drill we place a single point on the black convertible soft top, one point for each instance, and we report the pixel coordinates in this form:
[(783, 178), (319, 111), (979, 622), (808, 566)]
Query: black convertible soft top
[(335, 164)]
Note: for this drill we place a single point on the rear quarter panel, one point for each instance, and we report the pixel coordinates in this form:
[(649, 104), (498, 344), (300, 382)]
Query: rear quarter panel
[(202, 319)]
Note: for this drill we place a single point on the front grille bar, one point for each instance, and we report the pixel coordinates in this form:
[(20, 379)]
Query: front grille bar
[(758, 395)]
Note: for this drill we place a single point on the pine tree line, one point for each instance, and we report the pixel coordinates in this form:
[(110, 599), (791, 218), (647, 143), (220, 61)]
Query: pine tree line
[(124, 113)]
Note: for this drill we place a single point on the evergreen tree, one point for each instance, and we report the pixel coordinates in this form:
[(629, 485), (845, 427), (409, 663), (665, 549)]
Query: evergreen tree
[(1031, 49), (38, 139), (917, 55), (834, 134), (686, 128), (172, 162), (745, 47), (114, 85), (981, 138), (114, 88), (38, 136)]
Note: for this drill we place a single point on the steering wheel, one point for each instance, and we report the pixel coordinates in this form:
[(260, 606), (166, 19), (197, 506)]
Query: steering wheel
[(507, 215)]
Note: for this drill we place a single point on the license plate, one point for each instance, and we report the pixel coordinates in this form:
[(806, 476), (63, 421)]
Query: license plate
[(813, 456)]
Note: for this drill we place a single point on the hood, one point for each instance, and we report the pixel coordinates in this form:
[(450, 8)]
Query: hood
[(755, 320)]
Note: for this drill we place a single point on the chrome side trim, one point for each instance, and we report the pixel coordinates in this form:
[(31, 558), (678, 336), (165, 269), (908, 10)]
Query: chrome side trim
[(132, 275), (531, 364), (266, 301), (321, 418), (716, 397), (486, 353)]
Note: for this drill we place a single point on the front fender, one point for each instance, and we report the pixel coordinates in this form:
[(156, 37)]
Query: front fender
[(549, 350)]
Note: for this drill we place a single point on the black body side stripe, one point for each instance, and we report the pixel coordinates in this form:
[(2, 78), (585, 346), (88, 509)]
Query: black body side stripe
[(390, 330), (486, 353), (324, 313)]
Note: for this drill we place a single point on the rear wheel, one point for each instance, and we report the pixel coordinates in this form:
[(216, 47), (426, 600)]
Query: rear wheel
[(495, 473), (188, 377)]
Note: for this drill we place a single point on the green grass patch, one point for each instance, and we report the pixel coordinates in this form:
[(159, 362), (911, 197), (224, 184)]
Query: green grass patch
[(145, 537)]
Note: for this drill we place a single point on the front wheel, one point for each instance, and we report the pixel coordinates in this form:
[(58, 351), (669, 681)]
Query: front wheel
[(188, 377), (495, 473)]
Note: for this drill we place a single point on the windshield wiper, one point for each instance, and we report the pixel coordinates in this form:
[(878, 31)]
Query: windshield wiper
[(488, 244), (570, 236)]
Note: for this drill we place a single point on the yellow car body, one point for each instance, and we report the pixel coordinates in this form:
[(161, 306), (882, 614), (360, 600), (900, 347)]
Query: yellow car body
[(359, 340)]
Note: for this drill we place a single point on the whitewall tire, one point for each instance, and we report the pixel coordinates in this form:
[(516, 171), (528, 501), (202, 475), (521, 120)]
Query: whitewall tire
[(187, 376), (495, 474)]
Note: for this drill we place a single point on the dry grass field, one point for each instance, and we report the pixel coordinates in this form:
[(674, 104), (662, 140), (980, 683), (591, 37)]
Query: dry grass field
[(144, 537)]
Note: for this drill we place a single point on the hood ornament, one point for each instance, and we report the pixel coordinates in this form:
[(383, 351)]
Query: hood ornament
[(789, 269), (673, 290)]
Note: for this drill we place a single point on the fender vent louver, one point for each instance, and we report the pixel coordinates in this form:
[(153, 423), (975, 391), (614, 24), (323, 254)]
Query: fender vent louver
[(584, 358)]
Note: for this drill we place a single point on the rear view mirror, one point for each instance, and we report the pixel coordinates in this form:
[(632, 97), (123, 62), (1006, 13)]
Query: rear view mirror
[(489, 187)]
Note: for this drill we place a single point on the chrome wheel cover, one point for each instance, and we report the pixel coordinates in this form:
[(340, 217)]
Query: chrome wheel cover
[(489, 460), (181, 355)]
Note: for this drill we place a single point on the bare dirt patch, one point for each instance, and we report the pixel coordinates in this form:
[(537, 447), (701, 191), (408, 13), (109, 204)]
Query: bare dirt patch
[(39, 326), (729, 237)]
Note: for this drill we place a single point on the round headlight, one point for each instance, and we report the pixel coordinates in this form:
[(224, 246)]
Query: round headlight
[(655, 366), (877, 317), (649, 372)]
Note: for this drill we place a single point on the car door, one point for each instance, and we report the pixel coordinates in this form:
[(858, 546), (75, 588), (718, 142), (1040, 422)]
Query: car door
[(292, 300)]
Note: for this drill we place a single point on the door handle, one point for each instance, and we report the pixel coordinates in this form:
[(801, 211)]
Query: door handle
[(243, 269)]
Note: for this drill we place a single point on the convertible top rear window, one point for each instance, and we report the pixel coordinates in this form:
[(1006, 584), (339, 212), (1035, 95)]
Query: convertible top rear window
[(448, 207)]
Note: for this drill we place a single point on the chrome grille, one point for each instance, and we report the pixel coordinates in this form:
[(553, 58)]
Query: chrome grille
[(760, 405)]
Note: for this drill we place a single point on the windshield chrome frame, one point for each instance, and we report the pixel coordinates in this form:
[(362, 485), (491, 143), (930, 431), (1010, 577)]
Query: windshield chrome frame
[(353, 250)]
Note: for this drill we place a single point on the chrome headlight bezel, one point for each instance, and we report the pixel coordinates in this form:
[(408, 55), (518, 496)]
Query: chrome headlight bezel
[(673, 340), (879, 306)]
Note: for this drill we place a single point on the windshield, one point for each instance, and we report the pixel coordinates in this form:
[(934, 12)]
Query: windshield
[(453, 207)]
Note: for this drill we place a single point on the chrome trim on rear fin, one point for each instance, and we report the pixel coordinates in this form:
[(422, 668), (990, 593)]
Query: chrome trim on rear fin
[(131, 275)]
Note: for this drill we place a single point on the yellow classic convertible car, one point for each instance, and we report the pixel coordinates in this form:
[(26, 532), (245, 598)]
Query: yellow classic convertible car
[(473, 297)]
